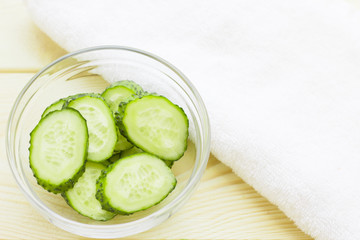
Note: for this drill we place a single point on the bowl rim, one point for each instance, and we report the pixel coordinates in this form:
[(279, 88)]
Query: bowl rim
[(190, 185)]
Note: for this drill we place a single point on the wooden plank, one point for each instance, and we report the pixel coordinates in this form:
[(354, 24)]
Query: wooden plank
[(223, 207), (23, 47)]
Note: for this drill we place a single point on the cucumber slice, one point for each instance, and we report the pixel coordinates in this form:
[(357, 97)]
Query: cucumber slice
[(58, 105), (122, 143), (130, 151), (58, 149), (157, 126), (79, 95), (62, 103), (119, 91), (101, 126), (134, 183), (135, 150), (111, 160), (122, 105), (82, 196), (115, 94)]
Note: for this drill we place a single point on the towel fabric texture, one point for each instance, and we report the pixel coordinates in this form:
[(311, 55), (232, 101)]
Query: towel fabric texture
[(280, 79)]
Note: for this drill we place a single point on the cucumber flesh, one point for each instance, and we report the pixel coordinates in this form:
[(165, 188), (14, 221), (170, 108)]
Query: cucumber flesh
[(130, 151), (82, 196), (113, 96), (134, 183), (58, 105), (101, 126), (122, 143), (157, 126), (120, 113), (119, 92), (135, 150), (58, 149)]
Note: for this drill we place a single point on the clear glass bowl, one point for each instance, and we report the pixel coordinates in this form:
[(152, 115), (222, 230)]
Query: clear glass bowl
[(91, 70)]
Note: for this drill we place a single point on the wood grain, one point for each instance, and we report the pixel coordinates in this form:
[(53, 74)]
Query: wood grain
[(223, 207)]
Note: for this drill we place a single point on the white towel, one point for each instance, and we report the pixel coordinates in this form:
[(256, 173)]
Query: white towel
[(280, 79)]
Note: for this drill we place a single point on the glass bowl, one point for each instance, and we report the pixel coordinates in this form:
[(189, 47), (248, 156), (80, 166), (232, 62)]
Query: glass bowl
[(91, 70)]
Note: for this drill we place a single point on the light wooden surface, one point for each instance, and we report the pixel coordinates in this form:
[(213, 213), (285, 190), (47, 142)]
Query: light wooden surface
[(224, 206)]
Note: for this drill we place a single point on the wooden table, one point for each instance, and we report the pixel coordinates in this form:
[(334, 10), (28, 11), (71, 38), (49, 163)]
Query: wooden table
[(232, 210)]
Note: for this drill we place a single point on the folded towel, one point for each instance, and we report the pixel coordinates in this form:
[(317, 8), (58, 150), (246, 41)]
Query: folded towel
[(280, 79)]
